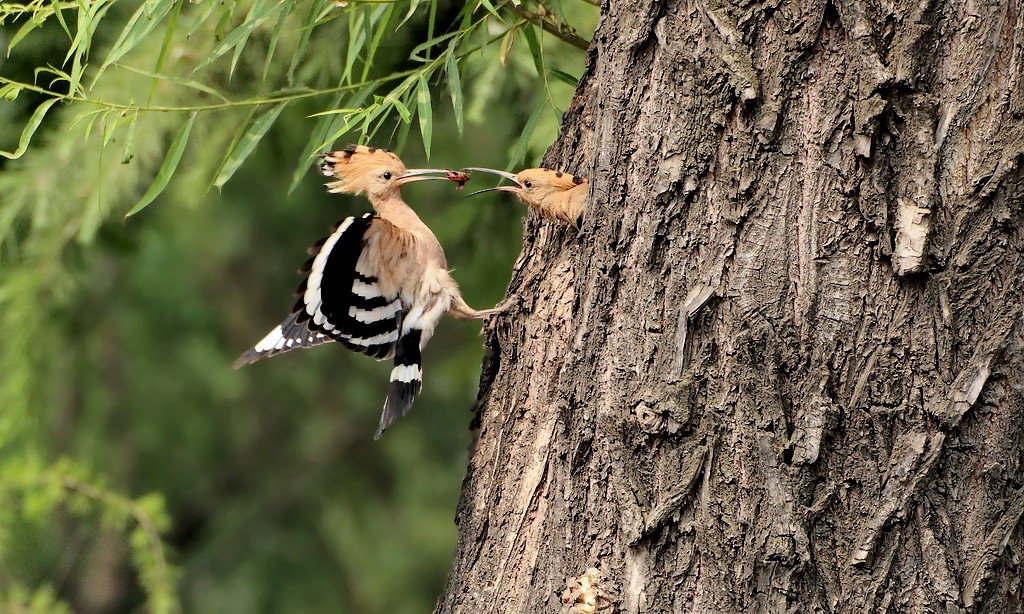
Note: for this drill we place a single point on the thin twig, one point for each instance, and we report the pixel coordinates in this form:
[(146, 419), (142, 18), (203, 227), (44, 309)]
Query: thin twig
[(560, 32), (141, 518), (208, 107)]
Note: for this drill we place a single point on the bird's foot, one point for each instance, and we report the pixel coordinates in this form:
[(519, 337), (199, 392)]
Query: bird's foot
[(483, 314)]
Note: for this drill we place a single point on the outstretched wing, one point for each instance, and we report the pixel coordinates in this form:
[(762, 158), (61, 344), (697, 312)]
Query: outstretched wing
[(340, 300)]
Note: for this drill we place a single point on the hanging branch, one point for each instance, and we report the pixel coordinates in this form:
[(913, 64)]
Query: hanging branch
[(561, 31)]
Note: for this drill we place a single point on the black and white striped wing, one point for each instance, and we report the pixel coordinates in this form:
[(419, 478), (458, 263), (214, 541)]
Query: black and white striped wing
[(343, 297), (340, 300)]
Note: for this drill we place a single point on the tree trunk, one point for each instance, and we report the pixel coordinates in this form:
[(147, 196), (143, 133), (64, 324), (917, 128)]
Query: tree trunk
[(781, 368)]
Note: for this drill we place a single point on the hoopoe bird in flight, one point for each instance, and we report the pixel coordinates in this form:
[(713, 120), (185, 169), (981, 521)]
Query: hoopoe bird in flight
[(556, 195), (379, 283)]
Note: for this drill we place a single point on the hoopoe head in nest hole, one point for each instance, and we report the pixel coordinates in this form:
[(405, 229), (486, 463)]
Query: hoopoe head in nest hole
[(554, 194), (378, 173)]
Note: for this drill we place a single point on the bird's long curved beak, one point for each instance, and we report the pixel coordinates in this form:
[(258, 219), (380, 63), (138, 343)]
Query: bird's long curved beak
[(421, 174), (492, 171), (500, 188)]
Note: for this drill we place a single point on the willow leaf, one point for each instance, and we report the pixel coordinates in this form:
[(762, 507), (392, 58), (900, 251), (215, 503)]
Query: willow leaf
[(245, 145), (338, 111), (89, 18), (530, 34), (22, 32), (356, 38), (236, 40), (200, 14), (275, 35), (431, 22), (403, 111), (9, 91), (30, 129), (163, 176), (88, 119), (401, 135), (377, 28), (564, 77), (421, 52), (189, 83), (451, 68), (519, 152), (413, 5), (490, 8), (129, 141), (507, 41), (423, 110), (142, 22), (304, 34), (59, 14)]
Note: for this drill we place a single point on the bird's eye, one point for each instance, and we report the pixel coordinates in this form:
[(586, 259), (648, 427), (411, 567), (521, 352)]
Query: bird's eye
[(386, 175), (528, 184)]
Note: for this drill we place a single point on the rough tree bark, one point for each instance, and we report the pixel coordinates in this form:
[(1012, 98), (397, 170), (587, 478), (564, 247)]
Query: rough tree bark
[(781, 368)]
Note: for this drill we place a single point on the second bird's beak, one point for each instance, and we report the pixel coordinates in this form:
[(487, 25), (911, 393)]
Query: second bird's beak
[(501, 188), (421, 174)]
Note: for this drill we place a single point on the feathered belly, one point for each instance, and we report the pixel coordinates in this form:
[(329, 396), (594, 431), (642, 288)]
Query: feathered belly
[(426, 300)]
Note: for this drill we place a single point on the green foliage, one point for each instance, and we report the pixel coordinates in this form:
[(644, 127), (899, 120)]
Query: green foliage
[(163, 176), (245, 142), (132, 458), (33, 491), (33, 122), (19, 600)]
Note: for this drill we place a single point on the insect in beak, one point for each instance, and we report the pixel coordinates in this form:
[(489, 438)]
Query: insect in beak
[(459, 177)]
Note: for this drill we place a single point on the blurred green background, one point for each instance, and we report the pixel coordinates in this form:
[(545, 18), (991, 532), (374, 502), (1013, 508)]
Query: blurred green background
[(121, 414)]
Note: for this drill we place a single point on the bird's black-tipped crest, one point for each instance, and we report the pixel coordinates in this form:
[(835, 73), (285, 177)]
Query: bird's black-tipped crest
[(326, 166)]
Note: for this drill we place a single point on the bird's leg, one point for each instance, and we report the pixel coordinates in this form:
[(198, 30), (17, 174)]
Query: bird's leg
[(460, 310), (483, 314)]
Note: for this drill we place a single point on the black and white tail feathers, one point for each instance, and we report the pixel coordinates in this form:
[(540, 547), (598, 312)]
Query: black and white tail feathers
[(406, 380)]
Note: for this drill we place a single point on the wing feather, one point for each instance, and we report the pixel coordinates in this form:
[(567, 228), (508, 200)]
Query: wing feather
[(338, 301)]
